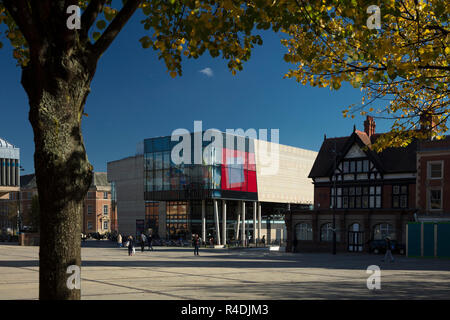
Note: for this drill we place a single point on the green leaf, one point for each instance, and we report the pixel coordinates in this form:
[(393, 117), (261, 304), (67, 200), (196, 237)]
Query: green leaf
[(101, 24), (109, 16), (96, 35)]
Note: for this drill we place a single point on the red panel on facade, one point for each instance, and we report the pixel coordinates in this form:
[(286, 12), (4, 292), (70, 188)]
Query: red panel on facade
[(235, 173)]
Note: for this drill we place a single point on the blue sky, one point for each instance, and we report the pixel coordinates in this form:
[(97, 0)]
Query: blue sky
[(133, 97)]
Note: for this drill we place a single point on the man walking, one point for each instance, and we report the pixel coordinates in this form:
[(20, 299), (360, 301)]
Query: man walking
[(143, 241), (196, 244), (388, 251)]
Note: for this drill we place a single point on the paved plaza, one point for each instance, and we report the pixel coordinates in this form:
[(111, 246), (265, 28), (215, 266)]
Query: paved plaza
[(175, 273)]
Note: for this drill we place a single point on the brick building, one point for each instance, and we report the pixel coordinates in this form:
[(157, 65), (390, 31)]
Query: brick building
[(433, 180), (99, 212), (371, 195)]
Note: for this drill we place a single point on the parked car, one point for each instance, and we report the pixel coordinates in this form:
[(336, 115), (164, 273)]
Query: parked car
[(379, 246)]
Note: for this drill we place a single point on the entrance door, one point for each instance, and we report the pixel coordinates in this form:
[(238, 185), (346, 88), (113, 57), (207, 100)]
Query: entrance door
[(355, 238)]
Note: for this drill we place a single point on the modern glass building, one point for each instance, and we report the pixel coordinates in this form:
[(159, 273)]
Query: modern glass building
[(215, 188), (9, 167), (9, 183)]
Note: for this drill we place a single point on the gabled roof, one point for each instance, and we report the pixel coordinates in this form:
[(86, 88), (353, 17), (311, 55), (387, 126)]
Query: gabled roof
[(390, 160), (100, 179)]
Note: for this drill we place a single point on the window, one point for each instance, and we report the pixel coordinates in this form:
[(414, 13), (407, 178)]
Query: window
[(105, 209), (365, 165), (89, 225), (359, 166), (91, 195), (357, 197), (105, 225), (303, 232), (435, 196), (399, 196), (152, 216), (345, 166), (105, 195), (435, 170), (383, 230), (326, 233), (90, 209)]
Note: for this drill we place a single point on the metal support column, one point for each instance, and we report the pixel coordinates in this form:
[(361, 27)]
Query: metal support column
[(203, 222), (254, 222), (243, 235), (224, 222), (259, 221), (216, 220)]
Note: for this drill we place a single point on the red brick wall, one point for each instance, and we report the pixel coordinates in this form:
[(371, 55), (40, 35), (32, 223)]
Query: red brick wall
[(322, 196), (425, 183), (386, 196)]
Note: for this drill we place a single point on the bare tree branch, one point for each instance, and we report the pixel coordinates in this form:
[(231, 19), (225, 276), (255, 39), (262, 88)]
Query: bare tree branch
[(115, 27), (90, 15)]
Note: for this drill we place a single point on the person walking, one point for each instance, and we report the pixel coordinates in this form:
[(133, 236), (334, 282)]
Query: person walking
[(263, 240), (150, 240), (388, 251), (119, 241), (143, 241), (294, 247), (196, 244), (130, 246)]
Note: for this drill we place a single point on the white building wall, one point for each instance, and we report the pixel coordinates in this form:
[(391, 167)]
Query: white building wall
[(282, 173), (128, 175)]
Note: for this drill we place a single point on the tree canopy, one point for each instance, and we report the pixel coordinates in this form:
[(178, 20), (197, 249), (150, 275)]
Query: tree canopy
[(402, 69)]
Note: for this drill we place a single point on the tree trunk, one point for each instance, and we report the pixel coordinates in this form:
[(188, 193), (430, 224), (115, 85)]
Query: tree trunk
[(57, 83)]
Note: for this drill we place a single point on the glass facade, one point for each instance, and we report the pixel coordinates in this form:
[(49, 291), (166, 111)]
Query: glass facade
[(152, 216), (225, 168)]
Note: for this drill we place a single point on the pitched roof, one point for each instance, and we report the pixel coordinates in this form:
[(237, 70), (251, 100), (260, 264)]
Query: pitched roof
[(99, 179), (390, 160), (28, 181)]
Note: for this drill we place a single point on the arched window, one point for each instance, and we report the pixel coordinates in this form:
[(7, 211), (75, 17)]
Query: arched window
[(383, 230), (303, 231), (355, 227), (326, 233)]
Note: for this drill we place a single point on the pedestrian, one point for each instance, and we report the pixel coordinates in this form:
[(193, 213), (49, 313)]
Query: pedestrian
[(150, 240), (295, 244), (119, 241), (388, 251), (263, 240), (143, 241), (196, 244), (131, 249)]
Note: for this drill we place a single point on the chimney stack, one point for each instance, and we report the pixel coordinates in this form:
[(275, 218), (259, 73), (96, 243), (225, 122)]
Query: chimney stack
[(427, 123), (369, 126)]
